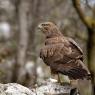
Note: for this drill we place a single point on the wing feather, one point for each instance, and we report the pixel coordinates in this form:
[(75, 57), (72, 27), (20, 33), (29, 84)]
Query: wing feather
[(76, 50), (75, 44)]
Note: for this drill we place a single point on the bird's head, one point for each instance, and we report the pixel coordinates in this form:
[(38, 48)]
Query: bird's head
[(49, 29)]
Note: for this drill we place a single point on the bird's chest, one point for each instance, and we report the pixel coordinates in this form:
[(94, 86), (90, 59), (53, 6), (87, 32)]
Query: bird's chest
[(54, 40), (53, 55)]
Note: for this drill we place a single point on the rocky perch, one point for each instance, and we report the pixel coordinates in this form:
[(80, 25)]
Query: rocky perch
[(47, 88)]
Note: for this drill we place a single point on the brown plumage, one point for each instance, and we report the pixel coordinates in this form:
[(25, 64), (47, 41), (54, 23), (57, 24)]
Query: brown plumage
[(61, 53)]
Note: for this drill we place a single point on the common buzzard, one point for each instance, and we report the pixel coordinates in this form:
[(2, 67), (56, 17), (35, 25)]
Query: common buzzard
[(61, 53)]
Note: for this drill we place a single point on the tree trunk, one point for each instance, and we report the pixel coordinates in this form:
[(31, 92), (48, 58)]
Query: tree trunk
[(91, 41), (23, 41), (91, 55)]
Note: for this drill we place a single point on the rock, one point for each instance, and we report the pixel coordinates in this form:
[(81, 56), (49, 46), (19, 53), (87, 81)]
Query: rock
[(53, 89), (47, 88), (14, 89)]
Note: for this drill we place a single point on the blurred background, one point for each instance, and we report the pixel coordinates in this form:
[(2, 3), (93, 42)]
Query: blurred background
[(20, 41)]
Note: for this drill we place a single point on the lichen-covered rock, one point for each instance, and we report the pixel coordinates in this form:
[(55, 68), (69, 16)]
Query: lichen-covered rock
[(14, 89), (46, 88), (53, 89)]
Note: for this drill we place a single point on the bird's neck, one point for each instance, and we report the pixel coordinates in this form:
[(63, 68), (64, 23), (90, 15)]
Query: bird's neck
[(53, 34), (54, 40)]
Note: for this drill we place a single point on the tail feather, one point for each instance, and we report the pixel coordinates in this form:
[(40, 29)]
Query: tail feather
[(77, 73), (75, 70)]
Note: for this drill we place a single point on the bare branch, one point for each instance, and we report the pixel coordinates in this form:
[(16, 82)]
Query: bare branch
[(76, 4)]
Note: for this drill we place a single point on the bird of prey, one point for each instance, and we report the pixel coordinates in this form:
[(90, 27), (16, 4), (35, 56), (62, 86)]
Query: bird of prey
[(62, 54)]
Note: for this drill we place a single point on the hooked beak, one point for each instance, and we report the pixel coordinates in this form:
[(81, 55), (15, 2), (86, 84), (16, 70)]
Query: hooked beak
[(40, 27)]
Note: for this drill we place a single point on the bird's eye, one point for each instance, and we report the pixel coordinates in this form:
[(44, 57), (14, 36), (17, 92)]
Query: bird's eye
[(45, 24)]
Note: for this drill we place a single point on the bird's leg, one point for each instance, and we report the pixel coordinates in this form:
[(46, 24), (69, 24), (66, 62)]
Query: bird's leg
[(59, 80), (54, 77)]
